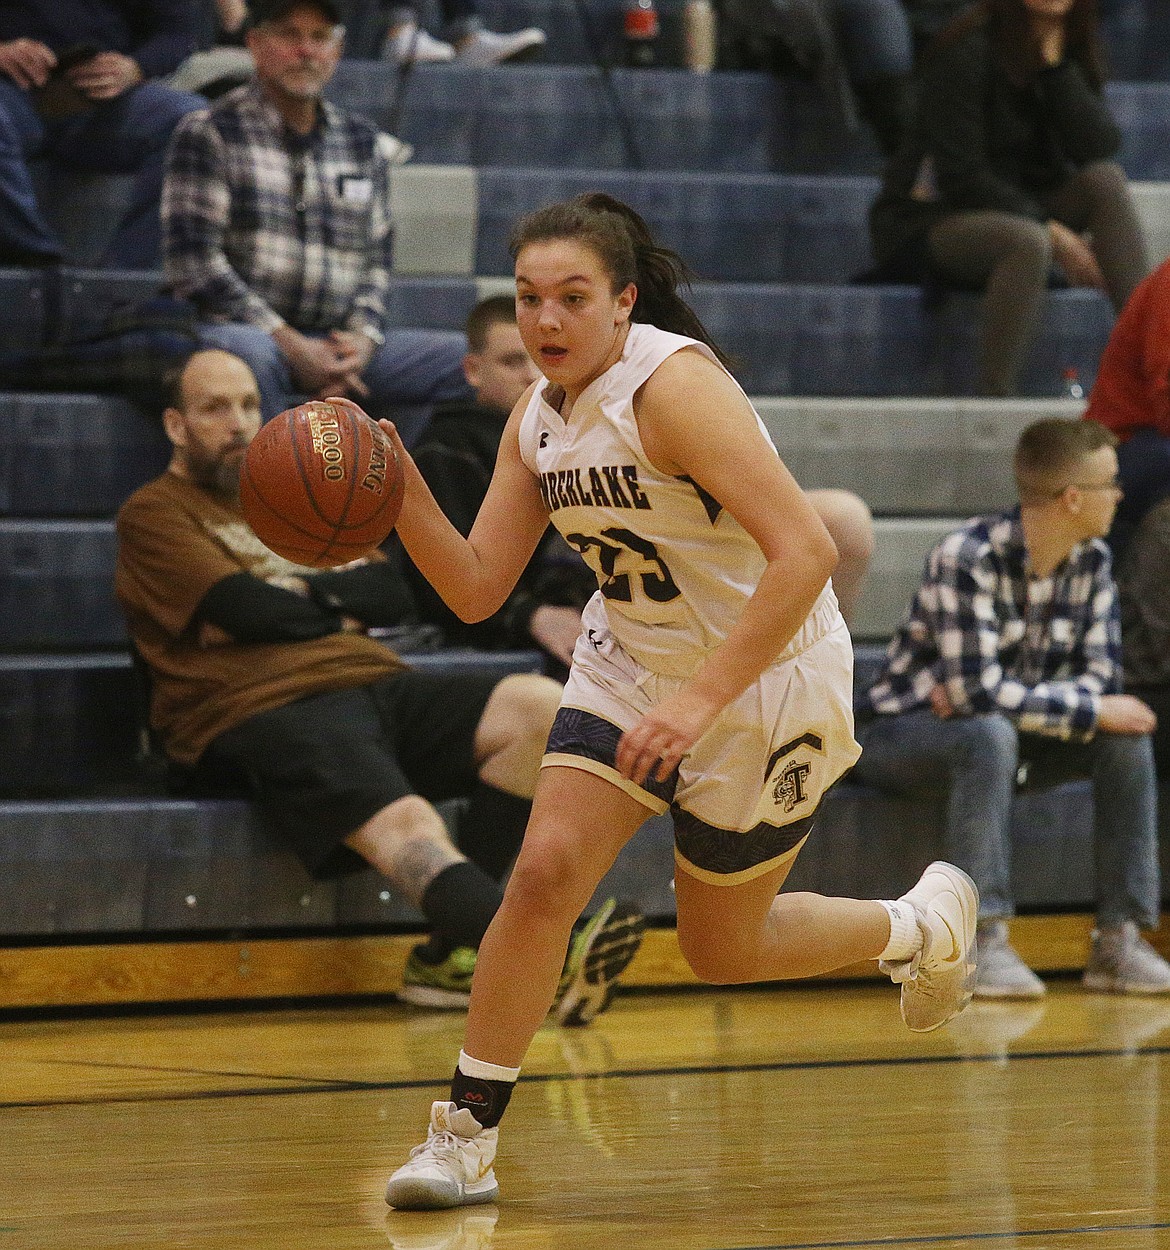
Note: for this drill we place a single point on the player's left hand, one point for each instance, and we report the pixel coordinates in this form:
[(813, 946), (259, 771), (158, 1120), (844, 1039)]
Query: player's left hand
[(657, 743)]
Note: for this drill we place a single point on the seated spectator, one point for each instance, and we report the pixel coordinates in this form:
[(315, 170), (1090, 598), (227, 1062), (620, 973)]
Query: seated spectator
[(465, 41), (1009, 167), (1011, 658), (1131, 397), (1144, 583), (79, 84), (276, 225), (263, 671), (456, 454), (858, 51), (224, 62)]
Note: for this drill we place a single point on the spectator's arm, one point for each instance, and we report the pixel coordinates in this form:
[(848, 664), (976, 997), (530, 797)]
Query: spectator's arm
[(169, 33), (952, 95), (374, 593), (367, 314), (172, 570), (1078, 114), (961, 606), (196, 207), (248, 609)]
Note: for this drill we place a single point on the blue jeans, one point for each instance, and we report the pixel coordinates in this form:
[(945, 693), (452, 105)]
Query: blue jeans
[(126, 135), (974, 760), (412, 369)]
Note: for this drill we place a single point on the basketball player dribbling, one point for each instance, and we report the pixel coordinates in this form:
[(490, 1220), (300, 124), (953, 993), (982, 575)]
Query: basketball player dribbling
[(712, 677)]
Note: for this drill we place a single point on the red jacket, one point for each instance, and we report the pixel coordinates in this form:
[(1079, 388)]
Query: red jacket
[(1133, 380)]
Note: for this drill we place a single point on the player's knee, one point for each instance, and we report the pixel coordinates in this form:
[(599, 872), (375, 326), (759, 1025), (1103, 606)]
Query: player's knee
[(545, 883), (710, 961), (989, 733)]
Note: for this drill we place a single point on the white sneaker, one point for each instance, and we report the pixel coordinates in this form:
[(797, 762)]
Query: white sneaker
[(938, 981), (1002, 973), (485, 47), (1121, 961), (452, 1168), (410, 43)]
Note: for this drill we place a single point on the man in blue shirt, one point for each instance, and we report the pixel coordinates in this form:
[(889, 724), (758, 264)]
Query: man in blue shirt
[(79, 84), (1010, 659)]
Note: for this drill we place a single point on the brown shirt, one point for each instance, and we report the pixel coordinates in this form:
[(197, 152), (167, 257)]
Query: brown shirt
[(175, 541)]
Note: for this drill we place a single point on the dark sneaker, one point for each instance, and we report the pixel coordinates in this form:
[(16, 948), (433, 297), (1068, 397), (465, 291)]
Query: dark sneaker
[(600, 951), (446, 984)]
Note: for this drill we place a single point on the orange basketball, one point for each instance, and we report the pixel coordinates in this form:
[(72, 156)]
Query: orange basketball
[(321, 484)]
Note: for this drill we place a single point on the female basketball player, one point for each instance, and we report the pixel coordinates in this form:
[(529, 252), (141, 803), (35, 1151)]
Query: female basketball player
[(712, 676)]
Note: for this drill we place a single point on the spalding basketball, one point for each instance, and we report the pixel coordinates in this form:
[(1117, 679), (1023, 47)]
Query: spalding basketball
[(321, 484)]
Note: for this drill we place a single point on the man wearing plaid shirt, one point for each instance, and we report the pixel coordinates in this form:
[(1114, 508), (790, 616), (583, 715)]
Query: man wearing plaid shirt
[(276, 225), (1010, 660)]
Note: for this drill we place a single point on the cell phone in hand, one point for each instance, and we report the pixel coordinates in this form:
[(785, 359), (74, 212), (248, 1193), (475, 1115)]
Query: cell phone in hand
[(59, 97), (78, 54)]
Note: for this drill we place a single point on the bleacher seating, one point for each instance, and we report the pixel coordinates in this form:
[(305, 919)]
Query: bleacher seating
[(862, 387)]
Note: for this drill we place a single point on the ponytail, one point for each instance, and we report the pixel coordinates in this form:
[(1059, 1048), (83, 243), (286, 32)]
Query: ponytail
[(623, 242)]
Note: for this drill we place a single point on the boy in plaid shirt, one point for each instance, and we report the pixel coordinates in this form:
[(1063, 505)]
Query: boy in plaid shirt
[(1010, 661)]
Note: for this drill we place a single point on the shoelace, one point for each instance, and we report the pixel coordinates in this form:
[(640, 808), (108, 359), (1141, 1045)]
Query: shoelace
[(444, 1144)]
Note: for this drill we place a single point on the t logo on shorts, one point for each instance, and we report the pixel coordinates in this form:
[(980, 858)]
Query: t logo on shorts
[(789, 786)]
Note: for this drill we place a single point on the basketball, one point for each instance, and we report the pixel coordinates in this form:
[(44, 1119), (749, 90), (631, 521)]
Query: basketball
[(321, 484)]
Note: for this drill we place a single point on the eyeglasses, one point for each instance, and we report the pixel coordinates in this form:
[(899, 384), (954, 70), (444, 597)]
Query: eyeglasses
[(1113, 484)]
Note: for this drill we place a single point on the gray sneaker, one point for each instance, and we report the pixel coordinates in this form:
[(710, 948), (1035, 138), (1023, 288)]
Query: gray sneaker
[(1121, 961), (1002, 973)]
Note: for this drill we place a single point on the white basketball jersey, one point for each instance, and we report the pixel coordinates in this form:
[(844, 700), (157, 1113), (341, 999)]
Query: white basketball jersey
[(674, 569)]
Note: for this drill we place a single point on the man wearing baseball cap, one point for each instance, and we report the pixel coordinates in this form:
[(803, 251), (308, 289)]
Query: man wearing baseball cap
[(276, 225)]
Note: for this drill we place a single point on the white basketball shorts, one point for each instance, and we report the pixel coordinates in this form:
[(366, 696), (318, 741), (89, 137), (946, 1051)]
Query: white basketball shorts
[(745, 796)]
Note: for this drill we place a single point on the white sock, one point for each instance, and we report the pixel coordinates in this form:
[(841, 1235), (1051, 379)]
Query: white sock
[(905, 935), (485, 1071)]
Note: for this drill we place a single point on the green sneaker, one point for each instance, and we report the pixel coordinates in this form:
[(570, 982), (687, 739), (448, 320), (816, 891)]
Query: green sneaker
[(446, 984), (600, 951)]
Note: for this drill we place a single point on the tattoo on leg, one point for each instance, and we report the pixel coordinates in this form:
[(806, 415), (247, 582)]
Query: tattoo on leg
[(414, 864)]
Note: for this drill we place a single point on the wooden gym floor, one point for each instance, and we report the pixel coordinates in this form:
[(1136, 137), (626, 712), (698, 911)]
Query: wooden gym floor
[(791, 1117)]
